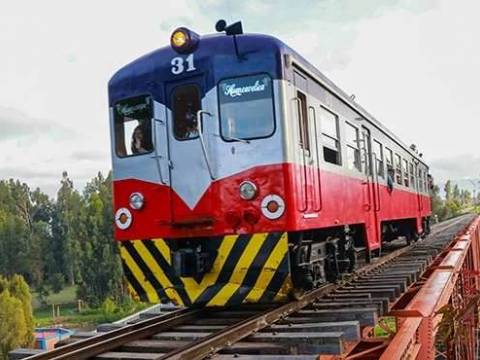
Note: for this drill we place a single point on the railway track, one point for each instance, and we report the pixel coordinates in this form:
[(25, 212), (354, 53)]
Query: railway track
[(328, 320)]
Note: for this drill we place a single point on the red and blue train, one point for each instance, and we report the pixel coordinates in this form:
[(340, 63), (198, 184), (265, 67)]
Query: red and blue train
[(243, 174)]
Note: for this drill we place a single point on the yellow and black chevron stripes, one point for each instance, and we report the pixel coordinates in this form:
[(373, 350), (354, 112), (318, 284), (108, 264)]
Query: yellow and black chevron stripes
[(248, 268)]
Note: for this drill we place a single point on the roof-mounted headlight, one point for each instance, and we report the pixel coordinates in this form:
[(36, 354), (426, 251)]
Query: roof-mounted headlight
[(184, 40)]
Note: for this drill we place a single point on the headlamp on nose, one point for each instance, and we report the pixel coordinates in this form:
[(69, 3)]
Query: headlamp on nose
[(184, 40)]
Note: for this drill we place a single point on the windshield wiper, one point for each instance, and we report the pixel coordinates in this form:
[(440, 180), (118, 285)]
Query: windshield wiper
[(237, 139)]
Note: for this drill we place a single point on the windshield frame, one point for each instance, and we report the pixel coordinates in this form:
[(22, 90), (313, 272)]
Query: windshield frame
[(115, 124), (225, 137)]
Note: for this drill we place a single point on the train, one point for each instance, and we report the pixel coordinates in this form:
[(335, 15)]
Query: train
[(242, 174)]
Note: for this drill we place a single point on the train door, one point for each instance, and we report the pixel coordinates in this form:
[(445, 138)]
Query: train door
[(370, 189), (302, 146), (190, 171), (307, 188)]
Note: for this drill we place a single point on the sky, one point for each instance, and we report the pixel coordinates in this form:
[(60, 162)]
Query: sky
[(413, 64)]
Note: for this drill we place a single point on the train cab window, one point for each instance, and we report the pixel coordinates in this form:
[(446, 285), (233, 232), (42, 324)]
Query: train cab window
[(330, 137), (378, 155), (412, 175), (303, 121), (133, 126), (246, 107), (405, 173), (398, 169), (185, 104), (353, 151)]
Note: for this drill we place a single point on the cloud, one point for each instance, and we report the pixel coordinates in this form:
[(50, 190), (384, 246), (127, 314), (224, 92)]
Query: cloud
[(89, 155), (16, 124), (411, 63), (9, 172), (456, 167)]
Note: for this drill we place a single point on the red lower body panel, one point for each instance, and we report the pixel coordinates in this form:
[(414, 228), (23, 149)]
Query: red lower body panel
[(313, 199)]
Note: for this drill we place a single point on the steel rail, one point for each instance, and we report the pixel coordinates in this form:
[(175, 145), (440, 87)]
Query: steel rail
[(214, 342), (231, 334), (99, 344), (211, 344)]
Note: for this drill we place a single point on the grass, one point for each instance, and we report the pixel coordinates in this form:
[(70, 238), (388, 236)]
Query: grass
[(389, 323), (88, 318), (67, 295)]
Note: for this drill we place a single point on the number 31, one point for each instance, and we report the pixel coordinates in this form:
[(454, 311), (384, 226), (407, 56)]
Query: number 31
[(178, 64)]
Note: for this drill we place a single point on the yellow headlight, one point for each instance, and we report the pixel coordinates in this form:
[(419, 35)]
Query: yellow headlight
[(179, 38)]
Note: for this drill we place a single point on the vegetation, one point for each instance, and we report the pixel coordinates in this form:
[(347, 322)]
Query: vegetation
[(52, 243), (16, 321), (456, 202), (63, 249), (63, 308)]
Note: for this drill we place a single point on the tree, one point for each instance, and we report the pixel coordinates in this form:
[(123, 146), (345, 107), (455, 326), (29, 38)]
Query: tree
[(99, 283), (448, 191), (438, 207), (16, 321), (65, 247)]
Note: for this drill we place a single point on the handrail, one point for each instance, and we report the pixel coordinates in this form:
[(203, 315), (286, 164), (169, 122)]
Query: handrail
[(317, 152), (303, 174), (377, 185), (202, 140), (157, 156)]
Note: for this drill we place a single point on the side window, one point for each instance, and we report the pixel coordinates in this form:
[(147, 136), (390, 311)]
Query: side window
[(185, 104), (303, 121), (389, 157), (330, 136), (133, 126), (378, 153), (398, 169), (412, 176), (353, 151), (420, 179), (425, 182), (405, 173)]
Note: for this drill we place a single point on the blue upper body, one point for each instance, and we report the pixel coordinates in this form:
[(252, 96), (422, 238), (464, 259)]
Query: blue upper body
[(215, 59)]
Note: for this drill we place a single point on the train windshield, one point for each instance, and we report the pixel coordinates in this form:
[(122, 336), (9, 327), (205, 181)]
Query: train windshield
[(133, 126), (246, 107)]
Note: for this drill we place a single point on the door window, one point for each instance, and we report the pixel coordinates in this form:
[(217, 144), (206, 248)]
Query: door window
[(185, 105), (303, 121), (133, 126)]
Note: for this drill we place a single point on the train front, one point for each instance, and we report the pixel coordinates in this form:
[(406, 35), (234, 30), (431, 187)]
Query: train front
[(199, 171)]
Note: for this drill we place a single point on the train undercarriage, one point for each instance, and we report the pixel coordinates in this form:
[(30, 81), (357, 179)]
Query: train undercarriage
[(251, 268), (320, 256)]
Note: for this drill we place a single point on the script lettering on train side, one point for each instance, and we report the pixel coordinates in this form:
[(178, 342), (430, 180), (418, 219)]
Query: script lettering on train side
[(233, 91)]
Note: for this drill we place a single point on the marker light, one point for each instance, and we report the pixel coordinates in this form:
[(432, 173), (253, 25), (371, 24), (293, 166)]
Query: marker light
[(272, 207), (123, 218), (136, 201), (184, 40), (248, 190)]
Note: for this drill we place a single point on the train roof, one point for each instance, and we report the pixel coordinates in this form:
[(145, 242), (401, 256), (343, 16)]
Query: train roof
[(158, 61)]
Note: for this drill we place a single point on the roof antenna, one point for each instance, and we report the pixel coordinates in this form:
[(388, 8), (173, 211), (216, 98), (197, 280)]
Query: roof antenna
[(233, 30)]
